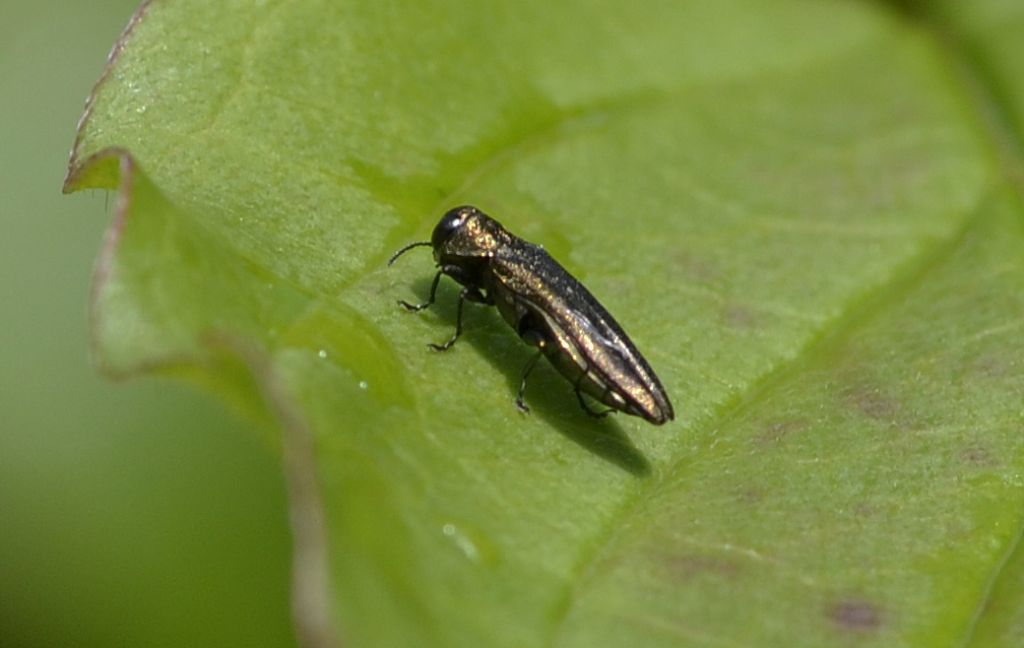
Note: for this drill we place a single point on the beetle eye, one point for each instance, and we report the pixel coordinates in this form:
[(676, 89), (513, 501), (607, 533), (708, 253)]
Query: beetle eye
[(450, 222)]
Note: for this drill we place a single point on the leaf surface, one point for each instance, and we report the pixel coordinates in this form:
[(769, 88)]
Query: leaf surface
[(804, 215)]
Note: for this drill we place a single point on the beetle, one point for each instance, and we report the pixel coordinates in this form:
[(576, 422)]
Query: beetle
[(549, 309)]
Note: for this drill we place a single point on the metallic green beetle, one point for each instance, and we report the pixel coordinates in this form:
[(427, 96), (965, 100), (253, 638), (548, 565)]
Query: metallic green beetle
[(548, 308)]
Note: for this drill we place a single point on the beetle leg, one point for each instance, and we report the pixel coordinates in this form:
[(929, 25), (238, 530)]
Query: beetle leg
[(463, 296), (522, 385), (433, 293), (474, 295), (472, 291), (583, 403)]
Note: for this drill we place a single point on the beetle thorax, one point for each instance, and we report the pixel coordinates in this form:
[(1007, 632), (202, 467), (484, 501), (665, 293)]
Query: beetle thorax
[(478, 236)]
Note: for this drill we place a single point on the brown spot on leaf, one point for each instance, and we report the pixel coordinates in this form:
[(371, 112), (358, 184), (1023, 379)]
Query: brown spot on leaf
[(688, 567), (751, 496), (990, 365), (855, 615), (978, 456), (697, 268), (774, 431), (865, 510), (872, 403), (739, 317)]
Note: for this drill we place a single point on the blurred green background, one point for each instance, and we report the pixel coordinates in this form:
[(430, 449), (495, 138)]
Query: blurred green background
[(131, 514)]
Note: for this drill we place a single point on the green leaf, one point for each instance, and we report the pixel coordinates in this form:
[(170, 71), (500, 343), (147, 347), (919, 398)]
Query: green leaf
[(804, 213)]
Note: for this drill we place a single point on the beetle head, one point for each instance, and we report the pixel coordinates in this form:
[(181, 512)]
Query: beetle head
[(466, 233), (466, 237)]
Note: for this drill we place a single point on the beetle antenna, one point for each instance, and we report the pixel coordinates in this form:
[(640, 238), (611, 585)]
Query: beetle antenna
[(406, 249)]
